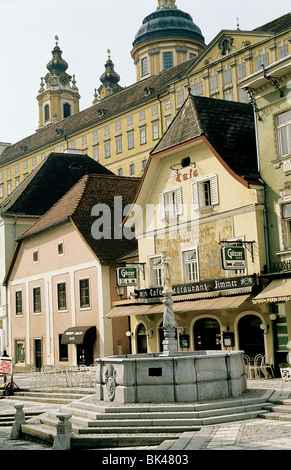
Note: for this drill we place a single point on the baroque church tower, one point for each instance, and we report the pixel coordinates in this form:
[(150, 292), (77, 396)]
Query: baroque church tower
[(58, 95)]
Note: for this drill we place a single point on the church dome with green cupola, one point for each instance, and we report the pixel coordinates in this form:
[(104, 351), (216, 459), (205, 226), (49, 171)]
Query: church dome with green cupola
[(167, 37)]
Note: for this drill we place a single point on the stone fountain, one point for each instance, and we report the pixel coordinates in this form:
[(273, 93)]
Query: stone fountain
[(170, 376)]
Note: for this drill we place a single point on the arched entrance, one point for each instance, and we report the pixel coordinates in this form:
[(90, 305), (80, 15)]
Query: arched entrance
[(141, 339), (207, 334), (251, 337)]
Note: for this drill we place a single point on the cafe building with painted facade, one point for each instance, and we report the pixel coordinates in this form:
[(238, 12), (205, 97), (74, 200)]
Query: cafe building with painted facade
[(201, 200)]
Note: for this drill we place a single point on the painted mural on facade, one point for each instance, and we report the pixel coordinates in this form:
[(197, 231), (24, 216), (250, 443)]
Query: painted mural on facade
[(206, 237)]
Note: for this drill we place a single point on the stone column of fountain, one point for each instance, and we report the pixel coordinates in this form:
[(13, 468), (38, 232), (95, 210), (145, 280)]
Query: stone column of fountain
[(170, 343)]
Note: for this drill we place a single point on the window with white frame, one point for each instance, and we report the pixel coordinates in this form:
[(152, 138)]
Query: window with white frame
[(168, 60), (107, 149), (118, 145), (190, 265), (84, 293), (205, 192), (171, 203), (213, 82), (155, 128), (197, 89), (167, 105), (287, 225), (155, 271), (144, 66), (263, 59), (36, 297), (18, 302), (96, 153), (142, 134), (180, 96), (284, 133), (130, 140), (62, 296)]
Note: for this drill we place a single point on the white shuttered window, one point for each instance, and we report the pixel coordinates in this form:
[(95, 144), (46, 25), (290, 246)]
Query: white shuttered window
[(171, 203), (205, 192)]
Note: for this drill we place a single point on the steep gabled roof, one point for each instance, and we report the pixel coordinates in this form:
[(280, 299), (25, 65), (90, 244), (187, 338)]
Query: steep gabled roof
[(50, 180), (76, 206), (228, 126), (276, 25)]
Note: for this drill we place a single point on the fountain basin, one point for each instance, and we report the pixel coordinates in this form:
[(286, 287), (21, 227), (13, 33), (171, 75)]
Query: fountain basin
[(178, 377)]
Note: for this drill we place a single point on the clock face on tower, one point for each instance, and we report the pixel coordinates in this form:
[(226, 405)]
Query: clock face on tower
[(63, 79)]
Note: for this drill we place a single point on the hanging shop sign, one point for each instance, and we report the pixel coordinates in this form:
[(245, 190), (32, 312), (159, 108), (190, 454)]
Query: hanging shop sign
[(126, 276), (199, 287), (233, 257)]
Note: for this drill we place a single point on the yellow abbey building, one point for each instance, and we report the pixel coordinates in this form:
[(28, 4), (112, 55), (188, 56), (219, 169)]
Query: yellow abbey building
[(124, 124)]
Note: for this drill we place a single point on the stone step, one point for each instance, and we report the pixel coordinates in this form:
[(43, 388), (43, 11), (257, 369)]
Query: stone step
[(46, 434), (86, 418)]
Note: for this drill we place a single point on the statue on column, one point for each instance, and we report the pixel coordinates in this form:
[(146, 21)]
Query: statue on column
[(166, 271), (169, 322)]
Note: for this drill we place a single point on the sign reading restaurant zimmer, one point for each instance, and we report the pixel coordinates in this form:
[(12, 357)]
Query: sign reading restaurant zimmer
[(198, 287)]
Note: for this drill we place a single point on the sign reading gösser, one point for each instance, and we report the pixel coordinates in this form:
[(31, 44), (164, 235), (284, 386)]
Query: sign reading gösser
[(233, 257), (126, 276)]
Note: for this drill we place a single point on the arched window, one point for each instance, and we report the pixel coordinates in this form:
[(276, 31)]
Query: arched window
[(67, 110), (46, 112), (141, 339)]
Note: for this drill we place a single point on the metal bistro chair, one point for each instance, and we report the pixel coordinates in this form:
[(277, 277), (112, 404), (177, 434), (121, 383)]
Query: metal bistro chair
[(267, 367)]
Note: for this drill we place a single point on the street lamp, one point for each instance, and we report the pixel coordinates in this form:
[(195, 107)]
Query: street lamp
[(120, 290)]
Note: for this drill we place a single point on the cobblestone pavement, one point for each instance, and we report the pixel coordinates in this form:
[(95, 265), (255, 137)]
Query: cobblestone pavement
[(253, 434)]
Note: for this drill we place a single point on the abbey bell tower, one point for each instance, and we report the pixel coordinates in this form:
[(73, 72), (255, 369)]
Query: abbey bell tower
[(58, 95)]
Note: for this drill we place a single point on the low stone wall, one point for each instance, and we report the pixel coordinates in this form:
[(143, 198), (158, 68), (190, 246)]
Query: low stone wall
[(181, 377)]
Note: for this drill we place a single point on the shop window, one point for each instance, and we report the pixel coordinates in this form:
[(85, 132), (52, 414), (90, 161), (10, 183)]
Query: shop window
[(19, 351)]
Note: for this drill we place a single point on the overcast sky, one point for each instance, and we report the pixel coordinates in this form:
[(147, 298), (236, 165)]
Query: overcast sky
[(86, 29)]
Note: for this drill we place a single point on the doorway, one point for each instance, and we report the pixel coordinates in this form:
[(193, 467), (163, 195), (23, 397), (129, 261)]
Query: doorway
[(251, 337), (85, 354), (141, 339), (38, 353), (207, 334)]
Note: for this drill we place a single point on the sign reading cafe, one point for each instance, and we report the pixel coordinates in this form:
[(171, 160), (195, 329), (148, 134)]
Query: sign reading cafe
[(198, 287)]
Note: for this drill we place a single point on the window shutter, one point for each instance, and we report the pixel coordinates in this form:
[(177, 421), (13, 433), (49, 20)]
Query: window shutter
[(162, 206), (178, 201), (195, 201), (214, 190)]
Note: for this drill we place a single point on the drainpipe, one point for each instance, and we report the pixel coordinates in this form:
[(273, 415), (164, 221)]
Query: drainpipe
[(161, 114), (14, 231)]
